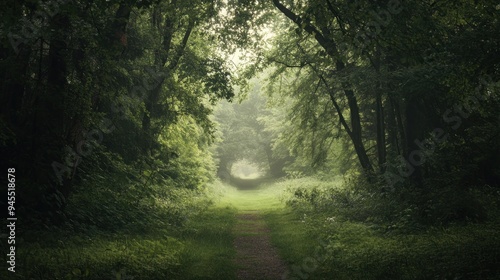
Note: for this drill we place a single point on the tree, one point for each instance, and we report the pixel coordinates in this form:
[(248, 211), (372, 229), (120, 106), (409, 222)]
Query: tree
[(392, 71), (109, 77), (245, 134)]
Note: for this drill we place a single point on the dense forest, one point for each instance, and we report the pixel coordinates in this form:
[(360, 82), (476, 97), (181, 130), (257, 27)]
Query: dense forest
[(353, 139)]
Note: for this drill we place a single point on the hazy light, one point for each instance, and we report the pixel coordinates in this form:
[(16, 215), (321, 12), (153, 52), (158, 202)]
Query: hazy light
[(245, 170)]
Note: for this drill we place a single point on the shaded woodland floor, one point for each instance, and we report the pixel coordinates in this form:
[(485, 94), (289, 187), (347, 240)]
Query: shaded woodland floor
[(251, 233)]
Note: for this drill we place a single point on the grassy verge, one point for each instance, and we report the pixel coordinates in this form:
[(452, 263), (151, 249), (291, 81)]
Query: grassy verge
[(98, 256), (290, 235), (200, 248), (209, 246), (315, 244), (265, 197), (318, 245)]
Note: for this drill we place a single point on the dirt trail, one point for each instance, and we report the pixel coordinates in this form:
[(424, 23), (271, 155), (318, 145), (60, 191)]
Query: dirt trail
[(256, 258)]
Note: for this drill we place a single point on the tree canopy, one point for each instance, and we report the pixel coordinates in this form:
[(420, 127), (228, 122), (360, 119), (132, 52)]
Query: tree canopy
[(401, 94)]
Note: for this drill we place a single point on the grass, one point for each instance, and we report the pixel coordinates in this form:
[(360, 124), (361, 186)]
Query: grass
[(209, 246), (98, 256), (288, 233), (320, 246), (317, 245), (313, 244), (201, 249), (265, 197)]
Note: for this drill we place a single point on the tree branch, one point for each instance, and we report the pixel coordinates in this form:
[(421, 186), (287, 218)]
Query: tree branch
[(301, 65), (337, 16), (334, 102), (327, 44), (182, 46)]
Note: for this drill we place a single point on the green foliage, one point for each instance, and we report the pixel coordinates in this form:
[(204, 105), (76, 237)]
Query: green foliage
[(99, 256), (209, 252), (247, 133), (150, 233), (121, 203), (107, 106), (335, 231), (355, 84)]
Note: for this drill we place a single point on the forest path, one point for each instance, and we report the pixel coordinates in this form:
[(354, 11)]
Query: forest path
[(256, 258)]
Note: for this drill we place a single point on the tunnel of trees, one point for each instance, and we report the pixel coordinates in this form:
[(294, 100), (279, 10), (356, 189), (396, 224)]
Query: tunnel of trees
[(118, 114)]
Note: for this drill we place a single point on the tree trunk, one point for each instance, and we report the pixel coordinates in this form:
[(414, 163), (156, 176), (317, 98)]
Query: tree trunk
[(331, 49), (414, 121), (49, 119), (400, 126), (392, 130), (381, 148), (161, 58), (356, 135)]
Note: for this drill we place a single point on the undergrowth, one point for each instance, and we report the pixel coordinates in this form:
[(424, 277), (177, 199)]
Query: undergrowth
[(118, 230), (352, 232)]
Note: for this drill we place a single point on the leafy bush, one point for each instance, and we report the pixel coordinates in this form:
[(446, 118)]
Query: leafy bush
[(373, 235)]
